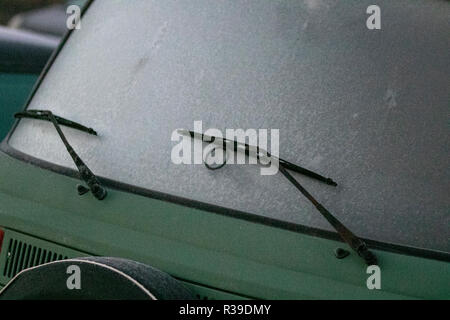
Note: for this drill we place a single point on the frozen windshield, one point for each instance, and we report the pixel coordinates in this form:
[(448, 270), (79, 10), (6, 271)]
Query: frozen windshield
[(368, 108)]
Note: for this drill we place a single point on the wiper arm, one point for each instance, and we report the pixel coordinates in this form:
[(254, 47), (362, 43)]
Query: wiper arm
[(86, 174), (352, 240), (349, 237)]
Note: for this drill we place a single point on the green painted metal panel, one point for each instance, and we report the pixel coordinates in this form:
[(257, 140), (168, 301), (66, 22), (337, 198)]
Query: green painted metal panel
[(201, 247), (22, 251), (14, 90)]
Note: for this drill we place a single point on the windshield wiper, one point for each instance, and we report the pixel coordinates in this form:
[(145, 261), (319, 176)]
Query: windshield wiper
[(248, 149), (86, 174), (44, 115), (349, 237)]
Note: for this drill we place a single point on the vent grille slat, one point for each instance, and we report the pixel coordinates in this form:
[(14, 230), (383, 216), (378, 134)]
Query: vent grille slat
[(21, 255), (33, 254), (48, 256), (26, 256), (5, 270), (38, 257), (43, 257), (17, 257), (12, 258)]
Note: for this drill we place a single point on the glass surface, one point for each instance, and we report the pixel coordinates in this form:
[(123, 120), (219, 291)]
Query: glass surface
[(367, 108)]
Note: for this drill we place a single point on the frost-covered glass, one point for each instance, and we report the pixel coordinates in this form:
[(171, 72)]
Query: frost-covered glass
[(368, 108)]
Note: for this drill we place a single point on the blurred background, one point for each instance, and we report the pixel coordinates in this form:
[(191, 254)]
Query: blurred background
[(9, 8), (30, 31), (42, 16)]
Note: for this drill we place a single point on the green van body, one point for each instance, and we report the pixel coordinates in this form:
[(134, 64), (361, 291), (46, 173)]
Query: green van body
[(217, 255)]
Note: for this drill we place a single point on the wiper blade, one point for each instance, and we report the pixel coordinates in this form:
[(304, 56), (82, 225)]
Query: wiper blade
[(349, 237), (247, 149), (43, 115), (86, 174)]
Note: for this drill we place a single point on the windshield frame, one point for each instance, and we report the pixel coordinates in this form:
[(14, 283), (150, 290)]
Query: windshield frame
[(124, 187)]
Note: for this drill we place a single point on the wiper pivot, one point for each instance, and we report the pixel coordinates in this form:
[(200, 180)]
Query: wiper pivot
[(86, 174)]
